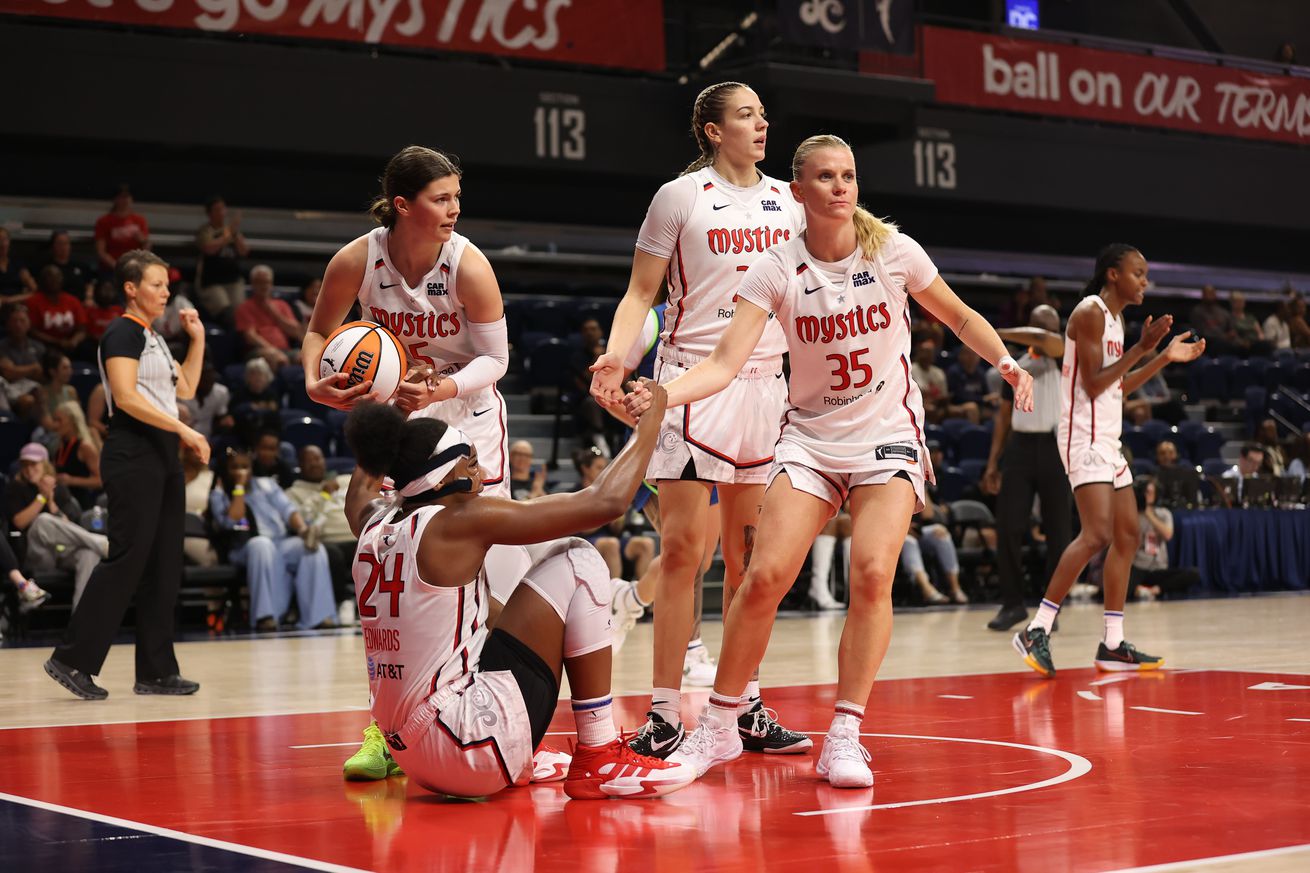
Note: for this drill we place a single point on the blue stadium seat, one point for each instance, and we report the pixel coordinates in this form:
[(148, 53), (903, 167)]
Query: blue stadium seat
[(1257, 406), (222, 346), (1210, 380), (1138, 442), (951, 483), (14, 434), (1277, 375), (1208, 444), (548, 365), (84, 379), (307, 431), (551, 318), (233, 374), (1143, 467), (1214, 467), (973, 468), (974, 442), (1240, 378), (1158, 430), (955, 427), (341, 464)]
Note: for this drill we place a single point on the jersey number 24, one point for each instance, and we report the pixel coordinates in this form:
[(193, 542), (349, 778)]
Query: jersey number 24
[(379, 581)]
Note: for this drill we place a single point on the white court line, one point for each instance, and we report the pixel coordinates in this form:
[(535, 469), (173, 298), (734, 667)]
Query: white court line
[(1078, 766), (1088, 695), (326, 745), (1109, 680), (252, 851), (1216, 859), (1166, 711), (955, 696), (25, 727), (1299, 719)]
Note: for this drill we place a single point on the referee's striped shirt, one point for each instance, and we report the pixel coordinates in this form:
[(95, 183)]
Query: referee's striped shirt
[(156, 374)]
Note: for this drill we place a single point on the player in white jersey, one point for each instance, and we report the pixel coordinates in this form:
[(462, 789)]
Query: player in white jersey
[(701, 233), (437, 293), (463, 708), (853, 429), (1094, 380)]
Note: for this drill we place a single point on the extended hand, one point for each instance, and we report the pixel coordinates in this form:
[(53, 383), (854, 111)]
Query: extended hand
[(1180, 351), (1022, 383), (607, 379), (1153, 331)]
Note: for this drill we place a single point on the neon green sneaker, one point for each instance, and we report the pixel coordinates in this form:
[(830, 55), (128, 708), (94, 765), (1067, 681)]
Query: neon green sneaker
[(373, 761)]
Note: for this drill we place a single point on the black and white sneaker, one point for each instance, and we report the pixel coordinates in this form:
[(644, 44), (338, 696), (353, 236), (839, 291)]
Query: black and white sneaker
[(657, 738), (760, 732)]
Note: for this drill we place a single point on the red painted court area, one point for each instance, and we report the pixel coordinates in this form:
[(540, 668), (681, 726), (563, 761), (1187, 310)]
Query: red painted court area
[(994, 772)]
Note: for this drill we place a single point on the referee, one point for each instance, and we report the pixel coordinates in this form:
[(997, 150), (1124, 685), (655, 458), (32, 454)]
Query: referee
[(143, 478), (1029, 459)]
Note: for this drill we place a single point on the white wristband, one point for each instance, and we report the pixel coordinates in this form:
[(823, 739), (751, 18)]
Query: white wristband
[(1007, 365)]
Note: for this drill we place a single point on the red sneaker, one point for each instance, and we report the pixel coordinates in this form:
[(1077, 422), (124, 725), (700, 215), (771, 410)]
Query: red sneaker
[(614, 770)]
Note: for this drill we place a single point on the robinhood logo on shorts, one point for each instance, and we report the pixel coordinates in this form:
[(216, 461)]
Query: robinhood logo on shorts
[(897, 450)]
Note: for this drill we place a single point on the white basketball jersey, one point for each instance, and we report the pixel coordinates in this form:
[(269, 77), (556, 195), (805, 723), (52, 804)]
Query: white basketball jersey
[(850, 393), (1086, 421), (427, 318), (420, 638), (712, 231)]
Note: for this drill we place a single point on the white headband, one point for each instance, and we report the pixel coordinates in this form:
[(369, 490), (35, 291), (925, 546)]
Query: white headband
[(453, 447)]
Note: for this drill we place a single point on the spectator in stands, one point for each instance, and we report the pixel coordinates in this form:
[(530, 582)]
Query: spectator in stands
[(79, 279), (838, 529), (209, 408), (1266, 436), (170, 325), (57, 370), (1166, 454), (1151, 576), (16, 282), (119, 231), (1016, 310), (20, 364), (1276, 329), (308, 297), (931, 380), (1298, 454), (1296, 322), (96, 411), (266, 534), (610, 539), (77, 455), (1249, 464), (267, 460), (29, 594), (591, 423), (320, 498), (1214, 323), (928, 532), (967, 379), (525, 483), (268, 326), (255, 401), (43, 510), (1250, 338), (199, 550), (1286, 53), (218, 271), (58, 318), (100, 311)]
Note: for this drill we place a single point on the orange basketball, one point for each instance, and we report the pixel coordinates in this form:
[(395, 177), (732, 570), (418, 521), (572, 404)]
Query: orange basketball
[(363, 351)]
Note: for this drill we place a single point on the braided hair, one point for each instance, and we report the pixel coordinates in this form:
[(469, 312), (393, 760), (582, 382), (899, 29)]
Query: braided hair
[(710, 106), (1110, 256)]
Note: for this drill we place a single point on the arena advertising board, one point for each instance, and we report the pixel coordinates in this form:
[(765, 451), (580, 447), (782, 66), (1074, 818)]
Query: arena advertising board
[(1024, 75), (570, 31)]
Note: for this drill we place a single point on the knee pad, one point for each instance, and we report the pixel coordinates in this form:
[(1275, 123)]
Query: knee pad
[(571, 576)]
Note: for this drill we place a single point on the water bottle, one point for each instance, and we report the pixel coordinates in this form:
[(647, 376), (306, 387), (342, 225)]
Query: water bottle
[(98, 519)]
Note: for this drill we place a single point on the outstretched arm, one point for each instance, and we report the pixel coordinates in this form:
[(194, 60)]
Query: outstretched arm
[(643, 285), (1179, 351)]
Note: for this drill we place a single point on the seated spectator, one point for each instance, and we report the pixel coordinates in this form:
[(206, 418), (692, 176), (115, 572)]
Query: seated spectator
[(43, 510), (16, 282), (1296, 323), (1276, 328), (591, 423), (967, 379), (58, 318), (29, 594), (1298, 454), (1250, 338), (1166, 454), (199, 550), (265, 537), (320, 498), (1214, 323), (96, 412), (1151, 576), (255, 401), (308, 297), (119, 231), (57, 370), (928, 532), (20, 365), (209, 408), (268, 326), (1266, 435), (218, 271), (79, 279), (1249, 464), (77, 456), (613, 543), (526, 483), (267, 460), (931, 380), (103, 308)]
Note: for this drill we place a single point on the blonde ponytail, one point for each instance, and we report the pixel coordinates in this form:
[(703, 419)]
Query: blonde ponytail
[(871, 232)]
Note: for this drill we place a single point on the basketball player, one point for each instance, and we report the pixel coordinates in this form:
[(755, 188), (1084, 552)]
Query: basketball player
[(437, 293), (463, 709), (701, 233), (1094, 380), (853, 429)]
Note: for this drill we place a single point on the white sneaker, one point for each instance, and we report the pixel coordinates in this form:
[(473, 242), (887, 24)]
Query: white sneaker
[(709, 744), (823, 598), (624, 611), (346, 613), (698, 668), (844, 760), (550, 764)]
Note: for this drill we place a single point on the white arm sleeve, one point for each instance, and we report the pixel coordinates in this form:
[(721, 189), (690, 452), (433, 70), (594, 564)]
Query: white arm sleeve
[(491, 343), (650, 332)]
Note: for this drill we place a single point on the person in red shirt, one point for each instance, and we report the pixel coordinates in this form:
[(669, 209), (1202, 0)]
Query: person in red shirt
[(104, 310), (119, 231), (58, 319), (268, 326)]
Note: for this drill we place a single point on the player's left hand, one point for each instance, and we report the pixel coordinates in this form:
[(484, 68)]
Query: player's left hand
[(421, 388), (1022, 383), (1180, 351)]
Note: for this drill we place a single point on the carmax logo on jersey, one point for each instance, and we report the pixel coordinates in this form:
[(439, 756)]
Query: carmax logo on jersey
[(813, 329), (725, 241)]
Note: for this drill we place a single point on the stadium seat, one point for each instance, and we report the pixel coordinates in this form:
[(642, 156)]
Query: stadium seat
[(973, 469), (548, 364), (951, 483), (1143, 467), (1138, 442), (1157, 430), (551, 318), (341, 464), (1240, 378), (84, 379), (222, 347), (1278, 375), (306, 431), (974, 442), (1208, 444), (1214, 466), (1256, 401), (14, 434), (954, 427), (1210, 380)]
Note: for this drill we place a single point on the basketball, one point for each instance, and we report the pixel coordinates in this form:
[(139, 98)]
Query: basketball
[(364, 350)]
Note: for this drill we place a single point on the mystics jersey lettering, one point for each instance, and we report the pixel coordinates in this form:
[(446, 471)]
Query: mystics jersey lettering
[(1087, 422), (711, 232), (849, 340), (419, 638)]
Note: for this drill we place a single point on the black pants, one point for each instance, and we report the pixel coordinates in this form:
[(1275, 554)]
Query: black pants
[(147, 507), (1031, 465), (1173, 582)]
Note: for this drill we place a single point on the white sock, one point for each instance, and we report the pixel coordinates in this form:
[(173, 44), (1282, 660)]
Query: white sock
[(697, 643), (847, 715), (821, 554), (722, 709), (667, 704), (1114, 629), (1045, 617), (750, 698), (636, 596), (594, 720)]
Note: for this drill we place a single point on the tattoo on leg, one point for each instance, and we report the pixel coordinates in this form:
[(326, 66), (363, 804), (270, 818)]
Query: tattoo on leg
[(748, 535)]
